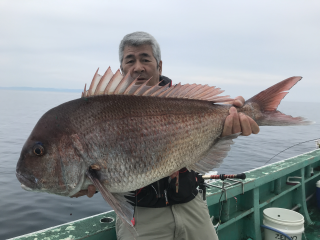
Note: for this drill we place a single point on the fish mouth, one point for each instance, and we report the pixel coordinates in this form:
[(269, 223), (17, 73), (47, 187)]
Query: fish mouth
[(27, 183), (24, 187)]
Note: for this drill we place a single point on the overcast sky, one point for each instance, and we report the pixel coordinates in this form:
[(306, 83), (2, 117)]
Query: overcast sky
[(241, 46)]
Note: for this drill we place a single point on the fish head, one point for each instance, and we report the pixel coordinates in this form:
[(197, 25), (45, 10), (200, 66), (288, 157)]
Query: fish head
[(48, 161)]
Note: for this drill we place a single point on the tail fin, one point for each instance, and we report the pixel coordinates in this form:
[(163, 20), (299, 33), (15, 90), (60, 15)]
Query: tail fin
[(268, 101)]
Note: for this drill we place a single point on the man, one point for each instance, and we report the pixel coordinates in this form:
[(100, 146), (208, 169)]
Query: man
[(160, 211)]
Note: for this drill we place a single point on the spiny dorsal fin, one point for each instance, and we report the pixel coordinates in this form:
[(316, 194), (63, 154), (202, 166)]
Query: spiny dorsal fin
[(110, 84), (103, 82), (94, 83)]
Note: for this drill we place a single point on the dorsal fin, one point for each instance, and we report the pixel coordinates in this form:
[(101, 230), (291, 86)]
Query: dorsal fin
[(114, 82), (94, 83), (104, 82), (110, 84)]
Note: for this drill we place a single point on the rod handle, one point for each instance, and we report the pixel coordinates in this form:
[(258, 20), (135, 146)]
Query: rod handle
[(224, 176)]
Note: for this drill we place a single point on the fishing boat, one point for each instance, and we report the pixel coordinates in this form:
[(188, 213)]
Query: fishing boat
[(235, 206)]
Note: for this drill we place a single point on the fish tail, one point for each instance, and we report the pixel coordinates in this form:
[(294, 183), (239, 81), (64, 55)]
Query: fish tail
[(268, 101)]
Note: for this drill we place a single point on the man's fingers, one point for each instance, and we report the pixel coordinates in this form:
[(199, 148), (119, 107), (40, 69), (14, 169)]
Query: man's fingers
[(236, 123), (245, 125), (236, 127), (79, 194), (91, 191), (227, 129), (248, 125), (238, 101), (254, 126)]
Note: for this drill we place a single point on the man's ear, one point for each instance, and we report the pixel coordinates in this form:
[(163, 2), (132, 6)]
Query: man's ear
[(160, 67), (121, 71)]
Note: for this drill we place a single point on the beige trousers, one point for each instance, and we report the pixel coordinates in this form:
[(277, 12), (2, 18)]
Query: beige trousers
[(187, 221)]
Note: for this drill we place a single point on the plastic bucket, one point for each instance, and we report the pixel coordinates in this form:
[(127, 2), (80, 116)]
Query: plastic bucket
[(318, 194), (284, 220)]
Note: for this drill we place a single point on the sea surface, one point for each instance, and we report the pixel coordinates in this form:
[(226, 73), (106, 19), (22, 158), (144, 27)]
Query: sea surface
[(23, 212)]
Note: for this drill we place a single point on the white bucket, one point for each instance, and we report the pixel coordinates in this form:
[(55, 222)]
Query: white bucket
[(284, 220)]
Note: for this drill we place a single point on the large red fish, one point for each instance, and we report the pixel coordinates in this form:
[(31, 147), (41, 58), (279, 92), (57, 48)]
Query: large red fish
[(124, 136)]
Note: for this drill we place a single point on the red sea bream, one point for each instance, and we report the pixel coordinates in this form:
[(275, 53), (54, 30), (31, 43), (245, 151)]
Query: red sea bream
[(121, 136)]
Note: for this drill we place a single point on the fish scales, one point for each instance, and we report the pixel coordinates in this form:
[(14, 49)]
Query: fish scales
[(128, 143)]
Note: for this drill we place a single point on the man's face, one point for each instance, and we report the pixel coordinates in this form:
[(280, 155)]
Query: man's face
[(139, 61)]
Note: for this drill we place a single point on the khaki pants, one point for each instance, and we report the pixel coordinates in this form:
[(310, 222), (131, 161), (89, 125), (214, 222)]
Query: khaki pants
[(187, 221)]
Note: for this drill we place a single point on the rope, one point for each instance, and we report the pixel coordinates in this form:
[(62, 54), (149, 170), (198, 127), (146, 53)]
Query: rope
[(220, 211)]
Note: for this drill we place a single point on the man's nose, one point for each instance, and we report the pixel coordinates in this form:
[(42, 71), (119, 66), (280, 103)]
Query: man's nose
[(138, 67)]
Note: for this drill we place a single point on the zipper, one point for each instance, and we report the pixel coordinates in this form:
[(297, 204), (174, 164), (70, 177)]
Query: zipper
[(159, 193)]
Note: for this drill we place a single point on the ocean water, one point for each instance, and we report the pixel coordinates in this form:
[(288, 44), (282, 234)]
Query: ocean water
[(23, 212)]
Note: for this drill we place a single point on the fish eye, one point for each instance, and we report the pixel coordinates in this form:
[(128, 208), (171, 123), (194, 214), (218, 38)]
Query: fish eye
[(38, 150)]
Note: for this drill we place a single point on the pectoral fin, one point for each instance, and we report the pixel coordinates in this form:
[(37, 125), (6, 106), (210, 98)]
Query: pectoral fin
[(215, 155), (117, 201)]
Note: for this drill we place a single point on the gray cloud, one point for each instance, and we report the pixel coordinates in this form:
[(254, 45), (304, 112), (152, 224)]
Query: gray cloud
[(241, 46)]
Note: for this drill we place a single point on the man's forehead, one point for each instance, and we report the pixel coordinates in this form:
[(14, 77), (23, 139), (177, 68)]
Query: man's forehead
[(130, 55), (141, 50)]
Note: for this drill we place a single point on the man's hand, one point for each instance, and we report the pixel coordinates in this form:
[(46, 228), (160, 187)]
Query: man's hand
[(239, 122), (89, 192)]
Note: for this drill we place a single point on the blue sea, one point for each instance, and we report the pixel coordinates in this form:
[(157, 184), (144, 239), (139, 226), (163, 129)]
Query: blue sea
[(23, 212)]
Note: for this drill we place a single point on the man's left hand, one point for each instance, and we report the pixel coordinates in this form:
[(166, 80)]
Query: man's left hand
[(239, 122), (89, 192)]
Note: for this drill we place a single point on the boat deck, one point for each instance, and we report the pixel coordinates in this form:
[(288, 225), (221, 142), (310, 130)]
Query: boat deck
[(243, 204), (313, 231)]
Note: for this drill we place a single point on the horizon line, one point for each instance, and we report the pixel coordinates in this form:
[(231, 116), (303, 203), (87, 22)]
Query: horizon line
[(42, 89)]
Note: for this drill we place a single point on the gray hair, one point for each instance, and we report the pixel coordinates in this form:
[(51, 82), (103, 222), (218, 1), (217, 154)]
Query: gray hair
[(138, 39)]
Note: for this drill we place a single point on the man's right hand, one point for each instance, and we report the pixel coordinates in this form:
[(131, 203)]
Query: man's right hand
[(89, 192), (235, 122)]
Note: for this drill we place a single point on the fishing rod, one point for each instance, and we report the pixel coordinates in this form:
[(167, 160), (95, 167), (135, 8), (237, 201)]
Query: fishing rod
[(243, 175), (225, 176), (317, 140)]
